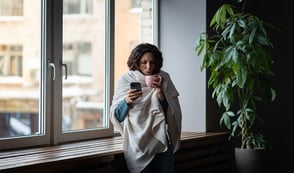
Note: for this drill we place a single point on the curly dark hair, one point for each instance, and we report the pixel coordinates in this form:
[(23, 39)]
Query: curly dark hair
[(138, 52)]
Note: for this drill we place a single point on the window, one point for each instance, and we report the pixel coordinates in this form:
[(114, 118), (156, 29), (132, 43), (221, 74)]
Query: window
[(10, 60), (84, 89), (141, 18), (56, 85), (21, 121), (77, 6), (11, 8)]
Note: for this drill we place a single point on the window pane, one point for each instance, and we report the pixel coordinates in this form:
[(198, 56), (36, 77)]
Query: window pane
[(133, 24), (20, 70), (84, 56)]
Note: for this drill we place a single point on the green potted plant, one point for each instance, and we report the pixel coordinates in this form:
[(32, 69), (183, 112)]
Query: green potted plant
[(237, 57)]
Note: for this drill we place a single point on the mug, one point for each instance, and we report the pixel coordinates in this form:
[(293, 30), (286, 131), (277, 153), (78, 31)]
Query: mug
[(149, 79)]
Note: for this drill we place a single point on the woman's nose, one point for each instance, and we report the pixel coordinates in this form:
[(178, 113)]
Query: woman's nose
[(148, 65)]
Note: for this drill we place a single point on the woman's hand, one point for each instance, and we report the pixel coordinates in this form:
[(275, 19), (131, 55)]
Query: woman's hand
[(133, 95), (157, 83)]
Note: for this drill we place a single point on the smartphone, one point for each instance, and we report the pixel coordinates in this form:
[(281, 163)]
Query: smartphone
[(136, 85)]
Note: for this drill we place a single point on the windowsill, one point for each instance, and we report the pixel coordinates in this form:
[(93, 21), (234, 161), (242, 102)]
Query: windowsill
[(107, 147), (70, 151)]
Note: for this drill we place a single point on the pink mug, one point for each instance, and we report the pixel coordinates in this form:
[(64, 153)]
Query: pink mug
[(149, 80)]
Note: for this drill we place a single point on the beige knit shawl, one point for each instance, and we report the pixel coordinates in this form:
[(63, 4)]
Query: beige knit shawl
[(144, 130)]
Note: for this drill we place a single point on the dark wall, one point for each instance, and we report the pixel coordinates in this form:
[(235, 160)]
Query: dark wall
[(278, 116)]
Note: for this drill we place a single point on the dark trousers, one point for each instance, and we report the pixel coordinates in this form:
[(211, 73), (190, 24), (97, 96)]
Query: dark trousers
[(161, 163)]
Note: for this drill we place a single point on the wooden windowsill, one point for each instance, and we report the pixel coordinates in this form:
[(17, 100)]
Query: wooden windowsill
[(107, 147)]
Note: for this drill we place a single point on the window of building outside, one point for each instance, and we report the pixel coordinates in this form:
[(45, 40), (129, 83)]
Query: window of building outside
[(11, 8), (64, 90)]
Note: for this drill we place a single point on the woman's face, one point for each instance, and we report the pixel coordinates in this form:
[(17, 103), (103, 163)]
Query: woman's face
[(147, 64)]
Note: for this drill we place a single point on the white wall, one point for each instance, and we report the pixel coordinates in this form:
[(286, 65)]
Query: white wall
[(181, 22)]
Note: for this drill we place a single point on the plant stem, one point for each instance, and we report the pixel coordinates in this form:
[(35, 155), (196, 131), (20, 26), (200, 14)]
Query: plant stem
[(243, 6), (244, 134)]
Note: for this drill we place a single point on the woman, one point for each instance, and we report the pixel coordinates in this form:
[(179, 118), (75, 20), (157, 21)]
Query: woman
[(149, 119)]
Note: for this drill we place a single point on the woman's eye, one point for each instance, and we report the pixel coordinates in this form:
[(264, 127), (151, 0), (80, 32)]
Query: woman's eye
[(145, 62)]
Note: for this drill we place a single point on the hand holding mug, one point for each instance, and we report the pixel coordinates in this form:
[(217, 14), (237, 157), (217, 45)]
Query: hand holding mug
[(153, 81)]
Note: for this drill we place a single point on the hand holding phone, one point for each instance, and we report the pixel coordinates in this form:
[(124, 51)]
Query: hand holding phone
[(134, 94)]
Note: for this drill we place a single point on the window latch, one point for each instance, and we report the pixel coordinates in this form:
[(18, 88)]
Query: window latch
[(52, 65)]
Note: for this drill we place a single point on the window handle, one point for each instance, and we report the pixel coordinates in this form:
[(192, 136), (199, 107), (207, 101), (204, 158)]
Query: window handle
[(65, 70), (52, 65)]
